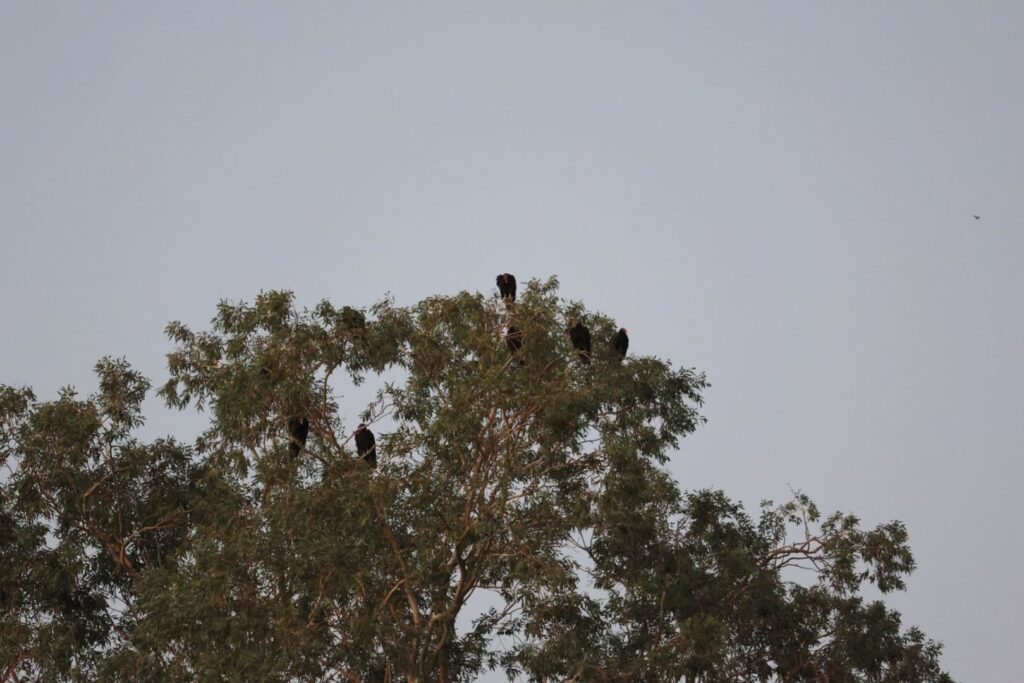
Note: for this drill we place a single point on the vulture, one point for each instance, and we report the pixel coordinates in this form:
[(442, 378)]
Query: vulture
[(580, 336), (352, 318), (298, 429), (507, 287), (366, 445), (514, 339), (621, 341)]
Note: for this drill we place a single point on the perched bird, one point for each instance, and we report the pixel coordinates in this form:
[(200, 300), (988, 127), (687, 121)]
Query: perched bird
[(976, 216), (507, 287), (298, 429), (580, 337), (352, 318), (366, 445), (514, 339), (621, 341)]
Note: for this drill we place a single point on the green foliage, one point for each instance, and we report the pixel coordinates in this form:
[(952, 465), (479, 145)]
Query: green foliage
[(529, 478)]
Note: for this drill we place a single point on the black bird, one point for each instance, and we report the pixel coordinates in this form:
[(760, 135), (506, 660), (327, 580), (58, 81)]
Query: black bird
[(580, 336), (366, 445), (976, 216), (298, 429), (352, 318), (621, 341), (507, 287), (514, 339)]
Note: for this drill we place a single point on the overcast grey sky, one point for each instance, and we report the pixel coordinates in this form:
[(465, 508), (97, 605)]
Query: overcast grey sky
[(778, 193)]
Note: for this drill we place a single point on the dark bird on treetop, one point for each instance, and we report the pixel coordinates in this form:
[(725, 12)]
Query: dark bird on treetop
[(621, 341), (514, 338), (580, 336), (352, 318), (298, 429), (976, 216), (366, 445), (507, 287)]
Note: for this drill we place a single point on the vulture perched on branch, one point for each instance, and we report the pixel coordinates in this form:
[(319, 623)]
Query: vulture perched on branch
[(514, 339), (366, 445), (298, 429), (580, 336), (507, 287), (621, 342), (353, 319)]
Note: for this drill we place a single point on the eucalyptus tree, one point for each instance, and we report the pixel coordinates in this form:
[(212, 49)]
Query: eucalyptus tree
[(519, 518)]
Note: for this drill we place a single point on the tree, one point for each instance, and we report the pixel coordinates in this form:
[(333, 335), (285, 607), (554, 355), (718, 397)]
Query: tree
[(526, 477)]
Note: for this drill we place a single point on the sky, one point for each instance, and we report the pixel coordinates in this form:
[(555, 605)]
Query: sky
[(780, 194)]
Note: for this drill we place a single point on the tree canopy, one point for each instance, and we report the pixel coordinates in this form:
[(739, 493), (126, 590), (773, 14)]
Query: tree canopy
[(519, 517)]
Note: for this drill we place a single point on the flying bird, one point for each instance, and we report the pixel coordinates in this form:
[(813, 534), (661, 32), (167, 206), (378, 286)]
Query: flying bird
[(507, 287), (298, 429), (366, 445), (621, 341), (514, 339), (580, 337)]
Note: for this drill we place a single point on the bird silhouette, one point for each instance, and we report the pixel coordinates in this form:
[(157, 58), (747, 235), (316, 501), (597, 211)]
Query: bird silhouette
[(366, 445), (976, 216), (579, 334), (507, 287), (514, 339), (621, 342), (298, 429)]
